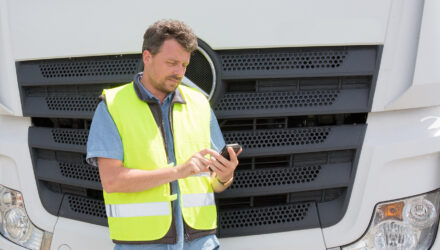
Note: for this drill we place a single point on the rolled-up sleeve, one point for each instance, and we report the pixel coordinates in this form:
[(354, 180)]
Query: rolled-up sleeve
[(217, 140), (104, 139)]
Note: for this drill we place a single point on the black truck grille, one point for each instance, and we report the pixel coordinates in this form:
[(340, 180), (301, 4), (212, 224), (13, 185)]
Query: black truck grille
[(299, 113)]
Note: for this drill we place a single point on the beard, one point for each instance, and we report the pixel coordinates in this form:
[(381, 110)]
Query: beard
[(174, 78), (169, 84)]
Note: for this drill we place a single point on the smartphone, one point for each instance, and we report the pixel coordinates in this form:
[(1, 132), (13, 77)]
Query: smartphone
[(236, 147)]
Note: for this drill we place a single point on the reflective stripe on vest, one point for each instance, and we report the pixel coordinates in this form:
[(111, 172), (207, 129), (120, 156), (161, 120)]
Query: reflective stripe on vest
[(137, 209), (157, 208), (198, 200)]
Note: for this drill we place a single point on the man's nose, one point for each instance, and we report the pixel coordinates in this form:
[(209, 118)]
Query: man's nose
[(180, 71)]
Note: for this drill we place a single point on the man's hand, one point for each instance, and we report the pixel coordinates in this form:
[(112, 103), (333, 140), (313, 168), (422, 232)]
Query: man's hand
[(224, 169), (196, 164)]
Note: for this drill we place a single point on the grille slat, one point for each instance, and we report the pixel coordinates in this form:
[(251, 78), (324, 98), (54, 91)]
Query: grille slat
[(72, 103), (269, 104), (70, 136), (259, 142), (271, 219), (84, 209), (66, 107), (73, 140), (285, 141), (104, 69), (283, 60), (250, 101), (89, 68), (294, 62), (70, 173), (232, 222), (288, 179)]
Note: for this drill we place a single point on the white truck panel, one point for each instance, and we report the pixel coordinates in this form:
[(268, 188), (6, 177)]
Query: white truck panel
[(436, 244), (8, 170), (400, 157), (15, 158), (399, 53), (80, 235), (9, 94), (51, 29), (426, 80), (8, 245)]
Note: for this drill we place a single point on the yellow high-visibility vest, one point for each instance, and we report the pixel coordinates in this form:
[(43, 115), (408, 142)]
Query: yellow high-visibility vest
[(147, 215)]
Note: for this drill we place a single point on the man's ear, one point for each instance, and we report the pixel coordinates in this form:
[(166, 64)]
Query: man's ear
[(146, 56)]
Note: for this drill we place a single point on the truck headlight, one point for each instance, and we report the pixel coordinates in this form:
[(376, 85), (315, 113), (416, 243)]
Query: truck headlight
[(409, 223), (15, 224)]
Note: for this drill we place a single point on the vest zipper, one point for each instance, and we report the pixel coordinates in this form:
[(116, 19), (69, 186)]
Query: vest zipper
[(170, 119), (164, 138), (164, 141)]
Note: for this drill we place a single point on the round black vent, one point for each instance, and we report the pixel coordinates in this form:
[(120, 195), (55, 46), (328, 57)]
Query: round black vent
[(199, 71), (203, 68)]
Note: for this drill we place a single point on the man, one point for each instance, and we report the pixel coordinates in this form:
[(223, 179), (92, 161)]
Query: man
[(151, 140)]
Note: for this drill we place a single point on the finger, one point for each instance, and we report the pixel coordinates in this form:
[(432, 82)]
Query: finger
[(202, 159), (206, 169), (215, 169), (209, 151), (226, 174), (194, 169), (218, 167), (232, 155), (239, 151), (222, 159), (201, 165), (199, 160)]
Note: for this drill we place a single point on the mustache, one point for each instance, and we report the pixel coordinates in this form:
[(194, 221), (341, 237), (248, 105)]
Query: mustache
[(175, 77)]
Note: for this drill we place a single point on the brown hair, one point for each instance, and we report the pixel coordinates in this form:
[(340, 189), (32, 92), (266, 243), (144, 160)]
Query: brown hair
[(163, 30)]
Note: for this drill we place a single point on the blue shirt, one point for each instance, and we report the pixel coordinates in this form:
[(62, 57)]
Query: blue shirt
[(104, 141)]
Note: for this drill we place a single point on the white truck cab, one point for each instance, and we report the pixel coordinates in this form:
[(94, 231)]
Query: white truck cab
[(336, 105)]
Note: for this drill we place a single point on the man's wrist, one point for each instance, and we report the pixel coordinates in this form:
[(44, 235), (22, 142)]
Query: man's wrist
[(225, 183)]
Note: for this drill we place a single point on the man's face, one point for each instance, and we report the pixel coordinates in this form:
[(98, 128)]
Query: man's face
[(165, 70)]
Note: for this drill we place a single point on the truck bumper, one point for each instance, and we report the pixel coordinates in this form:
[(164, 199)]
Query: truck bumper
[(301, 239), (71, 234)]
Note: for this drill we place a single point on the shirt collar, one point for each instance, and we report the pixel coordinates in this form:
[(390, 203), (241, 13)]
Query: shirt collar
[(145, 95)]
